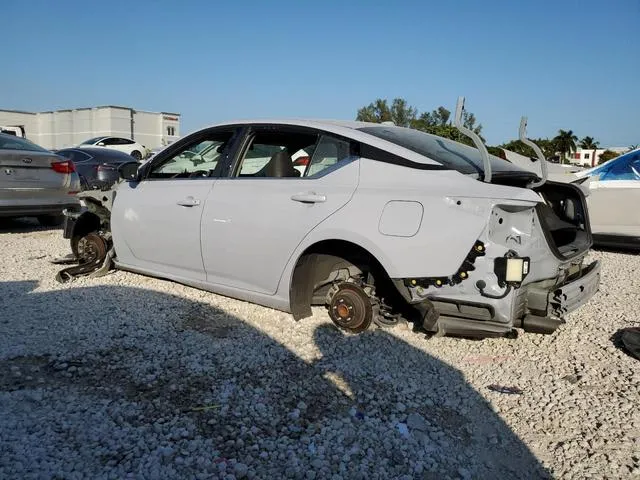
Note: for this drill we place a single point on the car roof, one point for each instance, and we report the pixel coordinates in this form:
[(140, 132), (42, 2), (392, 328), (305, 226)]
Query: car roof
[(351, 129), (344, 128), (101, 152)]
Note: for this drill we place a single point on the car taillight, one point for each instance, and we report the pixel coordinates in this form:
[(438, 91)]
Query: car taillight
[(63, 167)]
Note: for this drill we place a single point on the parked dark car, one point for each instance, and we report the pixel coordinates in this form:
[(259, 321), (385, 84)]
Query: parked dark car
[(97, 167)]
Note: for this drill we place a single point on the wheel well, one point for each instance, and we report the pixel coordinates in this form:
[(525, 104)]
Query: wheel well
[(319, 262)]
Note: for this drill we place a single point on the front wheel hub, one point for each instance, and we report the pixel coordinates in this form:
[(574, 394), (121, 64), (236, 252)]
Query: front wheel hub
[(350, 308), (92, 248)]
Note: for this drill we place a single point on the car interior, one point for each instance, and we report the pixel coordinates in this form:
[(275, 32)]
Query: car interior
[(276, 155), (267, 155)]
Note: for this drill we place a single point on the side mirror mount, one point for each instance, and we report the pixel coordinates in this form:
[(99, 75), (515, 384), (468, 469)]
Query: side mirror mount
[(129, 171)]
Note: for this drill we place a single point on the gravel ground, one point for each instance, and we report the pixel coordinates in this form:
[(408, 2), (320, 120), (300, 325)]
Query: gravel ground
[(131, 377)]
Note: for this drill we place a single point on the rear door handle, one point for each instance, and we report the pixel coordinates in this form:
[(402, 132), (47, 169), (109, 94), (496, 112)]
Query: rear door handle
[(309, 198), (189, 202)]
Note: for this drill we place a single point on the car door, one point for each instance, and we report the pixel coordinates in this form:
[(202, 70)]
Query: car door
[(156, 221), (256, 217), (614, 198)]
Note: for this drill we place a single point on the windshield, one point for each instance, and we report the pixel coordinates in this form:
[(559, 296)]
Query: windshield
[(449, 153), (11, 142)]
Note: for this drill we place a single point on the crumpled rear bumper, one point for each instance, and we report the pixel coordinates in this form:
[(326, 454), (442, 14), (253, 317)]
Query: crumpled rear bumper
[(550, 299), (573, 294)]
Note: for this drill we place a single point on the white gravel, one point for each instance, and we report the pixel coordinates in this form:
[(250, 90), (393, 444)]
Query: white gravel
[(131, 377)]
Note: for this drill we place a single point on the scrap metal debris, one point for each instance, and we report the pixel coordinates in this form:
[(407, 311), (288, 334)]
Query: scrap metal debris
[(504, 389)]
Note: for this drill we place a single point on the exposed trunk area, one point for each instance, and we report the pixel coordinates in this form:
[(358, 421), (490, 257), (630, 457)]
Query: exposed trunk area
[(564, 218)]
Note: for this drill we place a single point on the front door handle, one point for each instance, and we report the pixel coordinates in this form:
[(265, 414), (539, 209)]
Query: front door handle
[(309, 198), (189, 202)]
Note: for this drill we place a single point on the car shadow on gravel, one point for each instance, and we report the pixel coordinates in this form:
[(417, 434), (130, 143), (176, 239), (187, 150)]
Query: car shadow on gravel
[(113, 380), (23, 225)]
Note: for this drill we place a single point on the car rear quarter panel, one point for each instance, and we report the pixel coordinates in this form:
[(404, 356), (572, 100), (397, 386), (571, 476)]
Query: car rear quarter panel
[(455, 211)]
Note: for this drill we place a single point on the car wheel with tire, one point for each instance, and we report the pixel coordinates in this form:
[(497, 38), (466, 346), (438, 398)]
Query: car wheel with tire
[(137, 155)]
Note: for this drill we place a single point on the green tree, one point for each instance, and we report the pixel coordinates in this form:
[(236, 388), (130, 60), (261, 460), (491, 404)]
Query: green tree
[(547, 146), (565, 143), (497, 152), (437, 122), (632, 147), (400, 113), (606, 156), (376, 112), (440, 116), (589, 143)]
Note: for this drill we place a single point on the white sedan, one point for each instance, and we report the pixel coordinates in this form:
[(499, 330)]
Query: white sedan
[(614, 200), (135, 149), (371, 221)]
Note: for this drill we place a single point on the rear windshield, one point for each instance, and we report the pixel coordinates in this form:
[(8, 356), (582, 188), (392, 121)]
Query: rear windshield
[(451, 154), (11, 142)]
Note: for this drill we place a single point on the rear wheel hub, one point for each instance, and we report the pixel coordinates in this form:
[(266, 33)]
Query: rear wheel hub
[(350, 308)]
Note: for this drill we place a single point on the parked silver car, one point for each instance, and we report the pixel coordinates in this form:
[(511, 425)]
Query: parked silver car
[(35, 182), (383, 222)]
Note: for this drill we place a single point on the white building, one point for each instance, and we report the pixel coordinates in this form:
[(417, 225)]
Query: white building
[(66, 128), (584, 156)]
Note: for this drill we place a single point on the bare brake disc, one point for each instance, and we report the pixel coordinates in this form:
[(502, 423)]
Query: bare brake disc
[(350, 307), (92, 251)]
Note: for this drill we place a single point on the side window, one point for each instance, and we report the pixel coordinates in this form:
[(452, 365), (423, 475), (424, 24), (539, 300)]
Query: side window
[(328, 153), (271, 154), (197, 160), (109, 141), (126, 141)]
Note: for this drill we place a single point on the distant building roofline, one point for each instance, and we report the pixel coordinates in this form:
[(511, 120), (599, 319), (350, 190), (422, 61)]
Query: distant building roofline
[(16, 111), (88, 108)]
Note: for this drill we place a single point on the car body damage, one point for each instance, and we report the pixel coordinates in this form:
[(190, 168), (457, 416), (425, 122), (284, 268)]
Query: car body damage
[(377, 223), (89, 229)]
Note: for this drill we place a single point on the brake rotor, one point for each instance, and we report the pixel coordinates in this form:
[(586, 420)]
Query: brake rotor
[(92, 248), (350, 308)]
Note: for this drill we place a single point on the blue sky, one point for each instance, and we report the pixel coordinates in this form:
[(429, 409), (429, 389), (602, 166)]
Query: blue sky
[(565, 64)]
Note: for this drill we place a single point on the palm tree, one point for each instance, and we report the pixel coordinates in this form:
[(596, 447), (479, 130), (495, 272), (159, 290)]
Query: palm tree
[(565, 142), (589, 143), (633, 147)]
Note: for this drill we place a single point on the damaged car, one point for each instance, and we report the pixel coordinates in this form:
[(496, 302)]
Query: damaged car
[(380, 223)]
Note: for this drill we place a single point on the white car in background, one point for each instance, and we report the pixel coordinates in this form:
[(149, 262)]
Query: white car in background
[(614, 200), (126, 145)]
